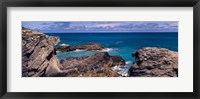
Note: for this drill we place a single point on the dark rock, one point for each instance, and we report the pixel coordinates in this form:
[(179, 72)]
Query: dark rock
[(155, 62), (117, 61), (65, 48), (98, 65), (88, 47)]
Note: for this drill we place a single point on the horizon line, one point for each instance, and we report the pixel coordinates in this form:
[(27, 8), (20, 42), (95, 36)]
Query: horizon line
[(118, 32)]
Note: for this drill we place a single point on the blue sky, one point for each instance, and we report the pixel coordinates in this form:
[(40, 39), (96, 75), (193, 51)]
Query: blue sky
[(65, 27)]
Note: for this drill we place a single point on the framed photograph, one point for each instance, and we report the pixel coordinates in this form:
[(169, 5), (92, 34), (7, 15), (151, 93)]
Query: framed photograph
[(108, 49)]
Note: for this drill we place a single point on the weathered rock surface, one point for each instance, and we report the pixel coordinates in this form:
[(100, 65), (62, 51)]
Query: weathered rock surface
[(38, 54), (154, 62), (98, 65), (89, 46)]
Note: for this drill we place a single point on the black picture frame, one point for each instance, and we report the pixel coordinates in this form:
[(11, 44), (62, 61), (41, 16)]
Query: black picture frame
[(99, 3)]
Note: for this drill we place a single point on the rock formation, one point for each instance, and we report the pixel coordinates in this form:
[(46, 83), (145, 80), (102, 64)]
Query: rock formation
[(98, 65), (154, 62), (38, 54), (89, 46)]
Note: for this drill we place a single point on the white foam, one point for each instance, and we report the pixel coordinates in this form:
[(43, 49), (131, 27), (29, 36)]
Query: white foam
[(128, 62), (107, 50), (64, 44), (78, 50), (119, 42), (123, 70)]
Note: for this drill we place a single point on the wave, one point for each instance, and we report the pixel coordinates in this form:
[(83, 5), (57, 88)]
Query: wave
[(119, 42), (108, 49), (129, 62), (78, 50), (103, 50), (64, 44), (123, 70)]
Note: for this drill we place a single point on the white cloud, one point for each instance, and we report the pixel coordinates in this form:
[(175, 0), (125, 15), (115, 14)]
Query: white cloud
[(107, 25)]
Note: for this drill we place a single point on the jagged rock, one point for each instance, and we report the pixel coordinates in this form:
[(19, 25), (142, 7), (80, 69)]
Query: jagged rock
[(154, 62), (38, 54), (98, 65), (89, 46)]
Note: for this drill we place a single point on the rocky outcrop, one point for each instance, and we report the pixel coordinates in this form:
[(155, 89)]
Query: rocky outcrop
[(89, 46), (38, 54), (98, 65), (154, 62)]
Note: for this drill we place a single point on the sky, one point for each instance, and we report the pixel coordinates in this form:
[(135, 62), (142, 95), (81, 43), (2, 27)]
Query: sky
[(65, 27)]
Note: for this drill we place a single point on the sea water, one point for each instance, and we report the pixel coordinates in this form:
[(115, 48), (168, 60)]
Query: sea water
[(122, 44)]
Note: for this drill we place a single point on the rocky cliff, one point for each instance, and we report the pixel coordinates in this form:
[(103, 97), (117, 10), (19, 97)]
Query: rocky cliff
[(38, 54), (154, 62)]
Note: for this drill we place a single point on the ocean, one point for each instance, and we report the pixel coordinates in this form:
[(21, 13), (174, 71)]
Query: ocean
[(122, 44)]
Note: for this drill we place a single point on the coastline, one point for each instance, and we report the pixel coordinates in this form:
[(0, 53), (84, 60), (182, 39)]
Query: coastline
[(99, 64)]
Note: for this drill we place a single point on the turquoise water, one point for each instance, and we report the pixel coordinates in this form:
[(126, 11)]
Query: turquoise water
[(122, 44)]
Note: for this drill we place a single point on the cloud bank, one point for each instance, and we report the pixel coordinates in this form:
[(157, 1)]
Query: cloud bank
[(65, 27)]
